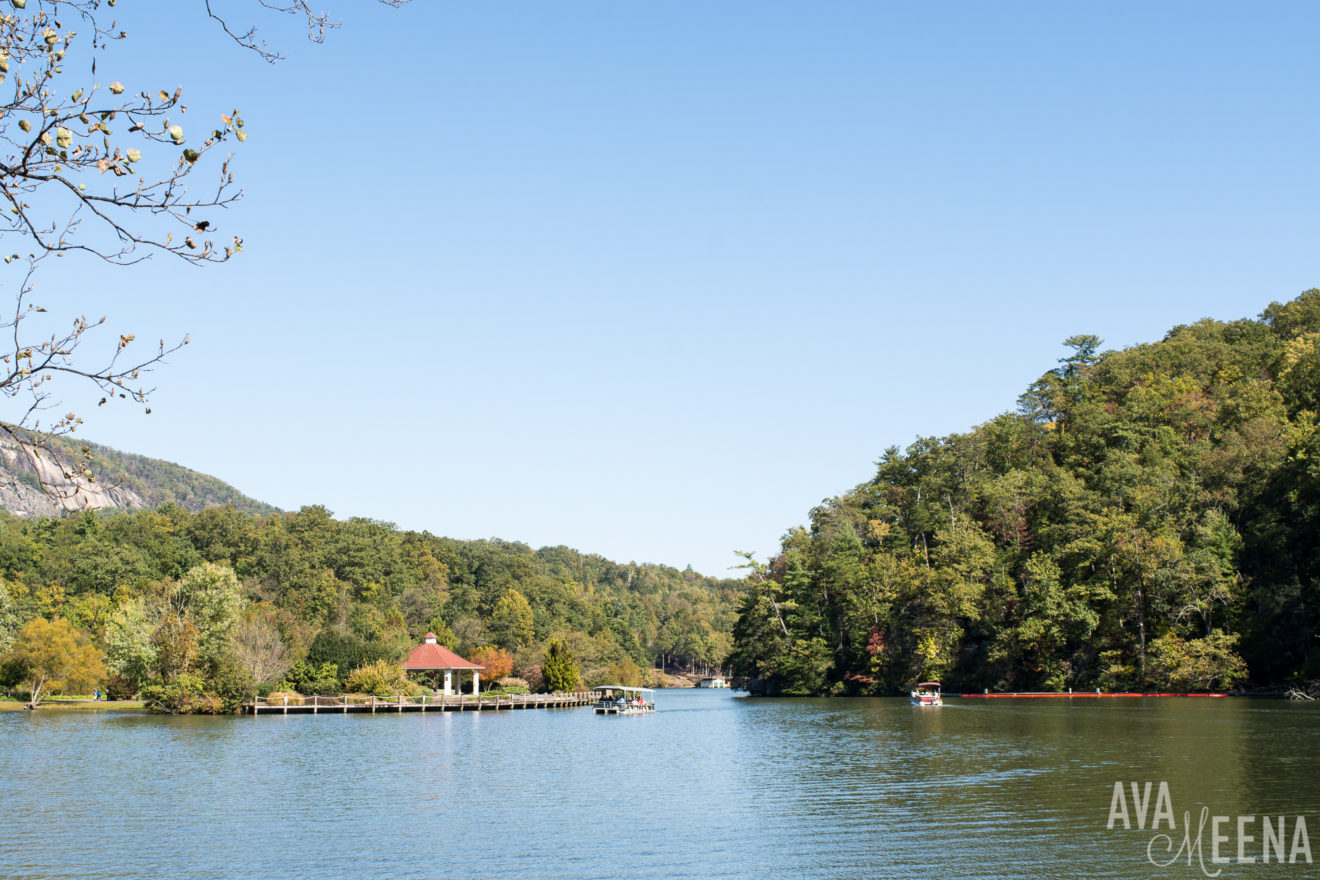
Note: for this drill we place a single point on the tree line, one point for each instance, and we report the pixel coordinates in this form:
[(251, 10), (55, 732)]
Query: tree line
[(1146, 519), (196, 611)]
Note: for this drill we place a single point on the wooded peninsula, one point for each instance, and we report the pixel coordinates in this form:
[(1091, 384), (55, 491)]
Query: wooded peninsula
[(1146, 519)]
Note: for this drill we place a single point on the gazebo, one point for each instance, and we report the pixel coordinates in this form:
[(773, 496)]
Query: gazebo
[(431, 656)]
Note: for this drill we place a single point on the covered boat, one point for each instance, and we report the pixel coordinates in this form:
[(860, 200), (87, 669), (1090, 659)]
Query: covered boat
[(927, 694), (617, 699)]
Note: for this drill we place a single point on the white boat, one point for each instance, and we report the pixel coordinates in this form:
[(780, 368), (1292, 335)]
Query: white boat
[(927, 694), (616, 699)]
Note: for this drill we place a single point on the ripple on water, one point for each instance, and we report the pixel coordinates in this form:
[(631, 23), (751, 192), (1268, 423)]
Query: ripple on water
[(712, 786)]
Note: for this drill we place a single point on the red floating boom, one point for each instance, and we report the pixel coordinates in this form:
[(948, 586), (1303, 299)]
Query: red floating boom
[(1080, 695)]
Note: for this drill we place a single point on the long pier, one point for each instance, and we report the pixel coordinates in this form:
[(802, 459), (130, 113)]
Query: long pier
[(427, 703)]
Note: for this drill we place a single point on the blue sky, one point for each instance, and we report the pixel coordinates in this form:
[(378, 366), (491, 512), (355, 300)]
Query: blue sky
[(651, 280)]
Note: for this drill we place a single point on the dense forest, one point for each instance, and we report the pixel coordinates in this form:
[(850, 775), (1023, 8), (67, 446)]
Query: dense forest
[(197, 610), (1146, 519)]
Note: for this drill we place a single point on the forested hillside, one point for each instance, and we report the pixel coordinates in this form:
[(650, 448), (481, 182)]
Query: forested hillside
[(227, 602), (56, 478), (162, 482), (1146, 518)]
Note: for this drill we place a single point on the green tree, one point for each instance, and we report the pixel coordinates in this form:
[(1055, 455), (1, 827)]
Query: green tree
[(8, 619), (346, 651), (174, 641), (559, 669), (222, 535), (781, 634), (177, 647), (512, 624), (210, 598), (761, 636), (443, 634), (129, 648), (55, 657)]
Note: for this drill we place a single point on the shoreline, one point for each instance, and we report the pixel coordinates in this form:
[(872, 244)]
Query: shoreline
[(76, 705)]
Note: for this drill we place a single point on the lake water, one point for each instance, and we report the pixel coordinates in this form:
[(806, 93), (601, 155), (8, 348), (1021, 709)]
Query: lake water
[(711, 786)]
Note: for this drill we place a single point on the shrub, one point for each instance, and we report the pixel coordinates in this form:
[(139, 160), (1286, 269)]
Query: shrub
[(383, 679), (306, 678), (117, 688), (294, 698), (185, 695), (1195, 664), (12, 671)]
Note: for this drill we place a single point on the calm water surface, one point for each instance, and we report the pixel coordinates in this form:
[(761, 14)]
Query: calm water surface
[(712, 786)]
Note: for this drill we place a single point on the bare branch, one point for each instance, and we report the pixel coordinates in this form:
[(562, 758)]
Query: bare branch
[(318, 23), (105, 171)]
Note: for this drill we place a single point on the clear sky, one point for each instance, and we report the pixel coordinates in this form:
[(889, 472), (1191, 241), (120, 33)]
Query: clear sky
[(653, 279)]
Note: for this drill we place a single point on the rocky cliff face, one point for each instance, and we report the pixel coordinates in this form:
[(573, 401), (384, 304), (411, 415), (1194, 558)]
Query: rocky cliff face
[(47, 482), (43, 483)]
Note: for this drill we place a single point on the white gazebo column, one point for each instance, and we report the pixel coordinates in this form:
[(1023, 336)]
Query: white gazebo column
[(476, 682), (449, 682)]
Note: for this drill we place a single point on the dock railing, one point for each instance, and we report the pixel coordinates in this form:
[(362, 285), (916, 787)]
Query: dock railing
[(344, 703)]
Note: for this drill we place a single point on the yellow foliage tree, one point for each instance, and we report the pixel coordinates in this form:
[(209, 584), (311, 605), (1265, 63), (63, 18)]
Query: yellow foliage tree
[(56, 657), (624, 672), (512, 622)]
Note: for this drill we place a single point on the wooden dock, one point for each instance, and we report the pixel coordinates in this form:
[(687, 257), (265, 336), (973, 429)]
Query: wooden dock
[(429, 703)]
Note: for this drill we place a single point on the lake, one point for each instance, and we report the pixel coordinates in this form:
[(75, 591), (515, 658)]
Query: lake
[(714, 785)]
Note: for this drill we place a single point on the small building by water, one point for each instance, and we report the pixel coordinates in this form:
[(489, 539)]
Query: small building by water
[(712, 683), (431, 656)]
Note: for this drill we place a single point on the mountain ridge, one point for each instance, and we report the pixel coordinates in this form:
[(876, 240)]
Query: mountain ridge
[(61, 475)]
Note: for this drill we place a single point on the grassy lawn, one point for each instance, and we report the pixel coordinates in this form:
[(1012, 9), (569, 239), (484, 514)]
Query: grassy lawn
[(68, 704)]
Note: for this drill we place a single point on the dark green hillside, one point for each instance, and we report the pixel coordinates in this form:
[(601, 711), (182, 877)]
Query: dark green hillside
[(1147, 518)]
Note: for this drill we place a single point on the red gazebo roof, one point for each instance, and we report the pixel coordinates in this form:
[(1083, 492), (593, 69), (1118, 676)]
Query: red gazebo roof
[(432, 655)]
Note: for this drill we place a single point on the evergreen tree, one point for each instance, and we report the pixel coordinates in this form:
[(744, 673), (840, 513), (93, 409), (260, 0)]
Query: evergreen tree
[(559, 669)]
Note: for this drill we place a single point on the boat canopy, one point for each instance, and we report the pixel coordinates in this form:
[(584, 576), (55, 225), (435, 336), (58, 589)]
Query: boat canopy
[(929, 684), (619, 687)]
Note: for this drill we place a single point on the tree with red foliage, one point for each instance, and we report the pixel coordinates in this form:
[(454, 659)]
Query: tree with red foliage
[(498, 663)]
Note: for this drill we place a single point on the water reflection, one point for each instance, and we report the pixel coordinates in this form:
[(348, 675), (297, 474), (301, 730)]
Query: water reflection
[(712, 786)]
